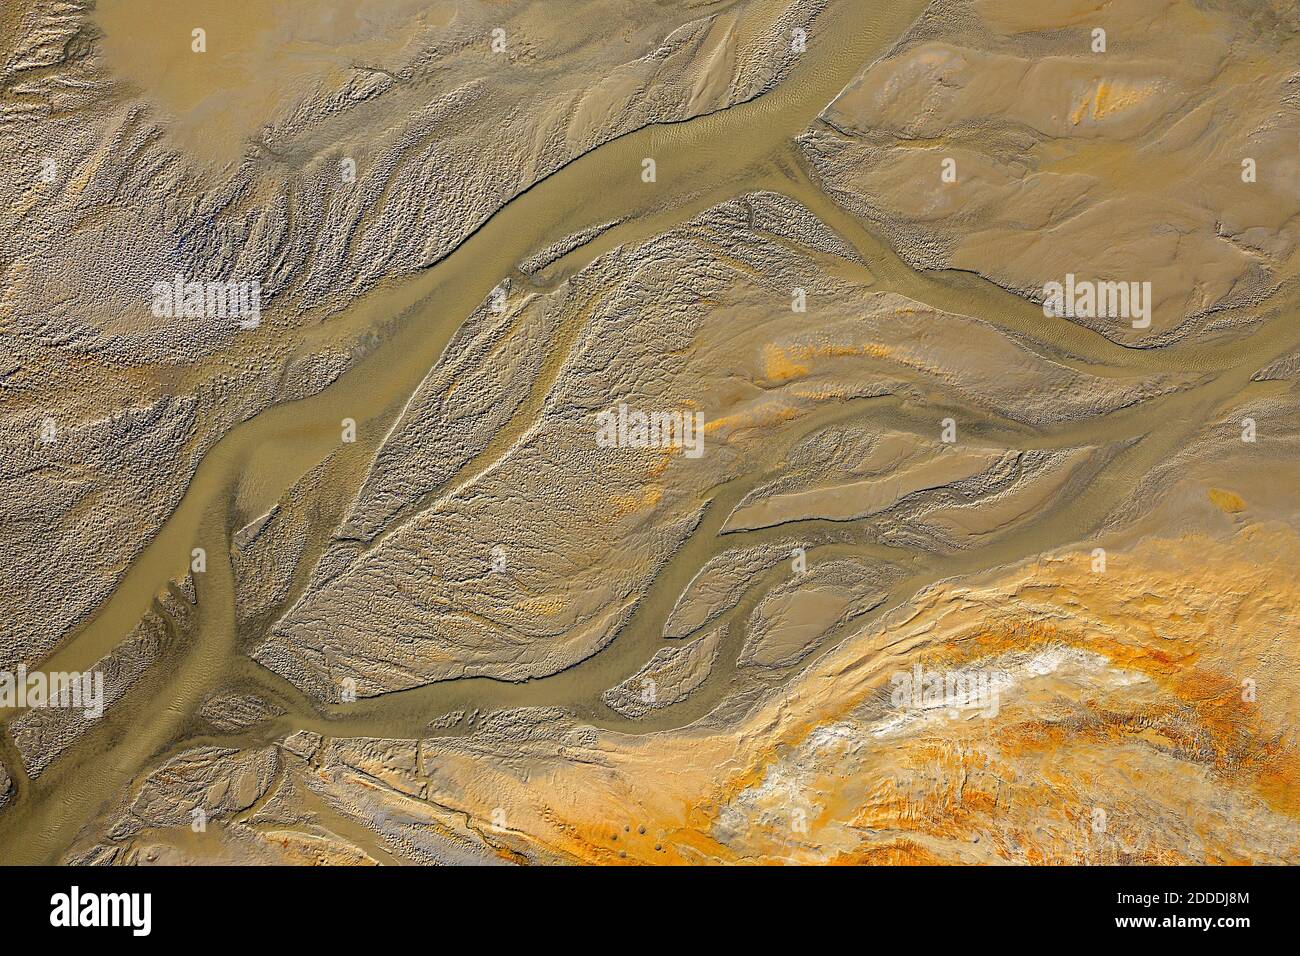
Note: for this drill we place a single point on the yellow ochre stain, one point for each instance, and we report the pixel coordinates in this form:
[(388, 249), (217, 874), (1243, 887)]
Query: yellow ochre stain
[(1108, 98), (1226, 500), (782, 363)]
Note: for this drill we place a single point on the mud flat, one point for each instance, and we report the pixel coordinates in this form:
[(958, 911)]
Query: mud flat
[(438, 621)]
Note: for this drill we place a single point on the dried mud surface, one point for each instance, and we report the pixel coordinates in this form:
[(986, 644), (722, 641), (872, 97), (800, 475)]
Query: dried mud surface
[(439, 619)]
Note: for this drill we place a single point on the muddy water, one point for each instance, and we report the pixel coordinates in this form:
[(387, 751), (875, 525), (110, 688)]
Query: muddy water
[(700, 163)]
